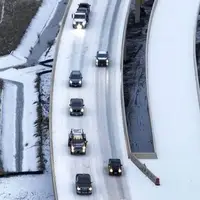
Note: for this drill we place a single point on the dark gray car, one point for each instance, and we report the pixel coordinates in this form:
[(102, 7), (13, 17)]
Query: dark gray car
[(75, 79), (84, 5), (83, 184), (76, 107)]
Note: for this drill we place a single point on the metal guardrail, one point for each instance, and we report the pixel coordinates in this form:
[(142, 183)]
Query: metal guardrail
[(142, 167), (51, 95)]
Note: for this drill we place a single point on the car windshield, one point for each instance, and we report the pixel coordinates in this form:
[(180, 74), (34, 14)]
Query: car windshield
[(82, 9), (83, 179), (79, 16), (115, 162), (102, 55), (77, 103), (75, 76), (79, 141)]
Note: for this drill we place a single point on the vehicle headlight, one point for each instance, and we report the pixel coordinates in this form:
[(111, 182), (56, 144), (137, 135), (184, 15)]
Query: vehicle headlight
[(79, 82), (72, 148), (83, 148), (111, 170), (74, 22), (84, 23), (70, 81), (79, 26), (107, 60), (82, 110), (78, 188), (90, 188), (71, 110), (119, 170)]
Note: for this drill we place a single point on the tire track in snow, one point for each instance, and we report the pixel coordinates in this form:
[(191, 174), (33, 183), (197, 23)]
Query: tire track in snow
[(18, 125), (105, 83), (102, 95)]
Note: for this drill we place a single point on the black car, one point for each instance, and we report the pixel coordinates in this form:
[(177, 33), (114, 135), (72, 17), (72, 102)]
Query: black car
[(75, 79), (83, 184), (114, 166), (77, 141), (102, 58), (84, 5), (76, 107)]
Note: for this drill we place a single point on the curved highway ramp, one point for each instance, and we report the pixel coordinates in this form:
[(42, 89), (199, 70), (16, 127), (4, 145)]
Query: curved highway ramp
[(100, 91)]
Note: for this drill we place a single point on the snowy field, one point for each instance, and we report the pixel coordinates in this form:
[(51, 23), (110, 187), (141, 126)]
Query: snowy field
[(23, 137), (37, 26), (10, 187), (27, 187), (8, 132)]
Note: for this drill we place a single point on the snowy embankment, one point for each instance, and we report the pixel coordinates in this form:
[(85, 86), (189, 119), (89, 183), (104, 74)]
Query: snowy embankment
[(49, 53), (27, 78), (9, 188), (18, 56), (8, 140)]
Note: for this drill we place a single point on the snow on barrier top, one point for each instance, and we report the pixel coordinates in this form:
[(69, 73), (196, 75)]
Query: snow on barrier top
[(142, 167)]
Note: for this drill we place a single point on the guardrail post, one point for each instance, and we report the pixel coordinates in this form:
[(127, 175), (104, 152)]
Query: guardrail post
[(138, 4), (137, 11), (143, 168)]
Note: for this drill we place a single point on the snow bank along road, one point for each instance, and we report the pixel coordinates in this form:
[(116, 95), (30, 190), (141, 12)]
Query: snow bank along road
[(173, 101)]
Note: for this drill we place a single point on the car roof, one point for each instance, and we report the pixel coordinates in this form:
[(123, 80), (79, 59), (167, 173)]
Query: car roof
[(102, 52), (115, 160), (84, 4), (76, 100), (81, 8), (84, 176), (75, 72), (79, 13)]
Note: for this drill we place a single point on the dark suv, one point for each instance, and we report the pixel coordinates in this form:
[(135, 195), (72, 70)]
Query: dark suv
[(75, 79), (83, 184), (102, 58), (114, 166), (76, 107), (85, 6), (77, 141)]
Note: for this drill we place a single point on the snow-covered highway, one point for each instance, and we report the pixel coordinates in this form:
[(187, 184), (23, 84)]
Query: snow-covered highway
[(102, 121)]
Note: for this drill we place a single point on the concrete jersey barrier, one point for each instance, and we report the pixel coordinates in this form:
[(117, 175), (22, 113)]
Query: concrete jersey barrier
[(51, 95)]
